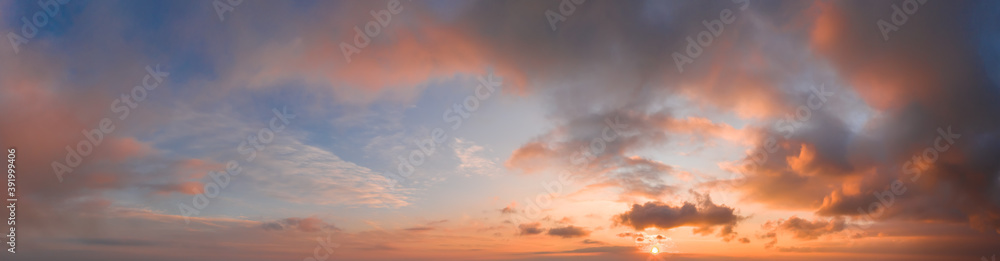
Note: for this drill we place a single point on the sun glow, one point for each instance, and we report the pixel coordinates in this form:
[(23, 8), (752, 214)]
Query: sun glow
[(654, 250)]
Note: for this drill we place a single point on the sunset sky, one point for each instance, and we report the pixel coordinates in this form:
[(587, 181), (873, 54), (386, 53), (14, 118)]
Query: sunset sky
[(501, 130)]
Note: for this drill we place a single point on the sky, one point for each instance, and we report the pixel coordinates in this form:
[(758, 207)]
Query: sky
[(501, 130)]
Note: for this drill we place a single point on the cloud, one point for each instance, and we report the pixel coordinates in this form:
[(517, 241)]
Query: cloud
[(417, 229), (807, 230), (643, 177), (309, 224), (471, 159), (569, 232), (301, 173), (704, 215), (189, 188), (611, 60), (427, 227), (112, 242), (530, 229), (913, 96)]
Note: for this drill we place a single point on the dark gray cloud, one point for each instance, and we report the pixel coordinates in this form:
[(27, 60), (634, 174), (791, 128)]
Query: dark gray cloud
[(530, 229), (704, 215), (568, 232), (912, 97), (805, 229)]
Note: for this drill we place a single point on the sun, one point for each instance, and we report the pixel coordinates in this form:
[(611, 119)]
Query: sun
[(654, 250)]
